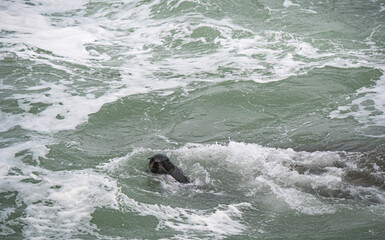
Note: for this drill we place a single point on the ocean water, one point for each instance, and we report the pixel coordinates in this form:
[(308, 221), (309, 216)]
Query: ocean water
[(275, 109)]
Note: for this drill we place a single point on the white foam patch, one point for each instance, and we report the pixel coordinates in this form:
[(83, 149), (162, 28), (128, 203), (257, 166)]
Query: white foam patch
[(294, 177), (129, 41), (7, 121), (369, 108), (61, 203), (258, 167), (28, 23), (4, 214), (53, 6), (117, 163), (66, 42), (64, 111), (67, 108), (288, 3), (57, 204), (218, 222), (296, 199), (65, 201), (36, 30)]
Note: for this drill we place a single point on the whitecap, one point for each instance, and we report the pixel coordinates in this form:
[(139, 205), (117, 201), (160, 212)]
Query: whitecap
[(370, 105)]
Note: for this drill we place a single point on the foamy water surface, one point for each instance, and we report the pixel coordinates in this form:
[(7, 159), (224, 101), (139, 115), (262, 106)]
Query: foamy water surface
[(274, 110)]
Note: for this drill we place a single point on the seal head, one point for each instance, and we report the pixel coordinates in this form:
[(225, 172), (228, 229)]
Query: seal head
[(161, 164)]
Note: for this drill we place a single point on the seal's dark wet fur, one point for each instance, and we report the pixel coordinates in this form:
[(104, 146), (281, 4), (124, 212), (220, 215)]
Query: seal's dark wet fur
[(161, 164)]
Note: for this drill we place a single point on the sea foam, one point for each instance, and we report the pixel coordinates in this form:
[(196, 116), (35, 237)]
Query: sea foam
[(55, 203), (369, 103)]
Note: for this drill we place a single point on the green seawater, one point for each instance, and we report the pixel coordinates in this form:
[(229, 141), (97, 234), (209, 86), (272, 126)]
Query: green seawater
[(273, 109)]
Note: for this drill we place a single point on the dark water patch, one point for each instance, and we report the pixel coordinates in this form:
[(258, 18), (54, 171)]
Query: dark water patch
[(12, 211), (327, 226), (369, 169), (362, 176), (125, 224), (292, 113), (13, 136), (212, 9), (72, 155)]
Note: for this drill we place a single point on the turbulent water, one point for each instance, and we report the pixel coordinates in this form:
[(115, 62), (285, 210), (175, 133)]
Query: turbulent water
[(274, 109)]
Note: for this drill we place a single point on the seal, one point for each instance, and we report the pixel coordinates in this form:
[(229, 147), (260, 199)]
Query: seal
[(161, 164)]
